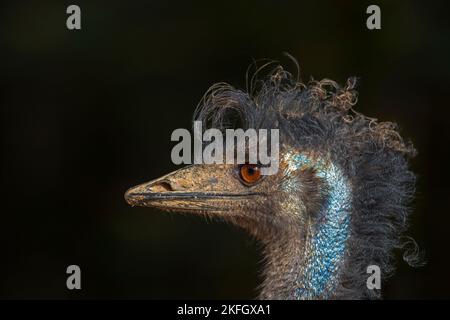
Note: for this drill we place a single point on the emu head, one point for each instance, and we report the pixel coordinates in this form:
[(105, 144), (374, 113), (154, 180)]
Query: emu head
[(337, 203)]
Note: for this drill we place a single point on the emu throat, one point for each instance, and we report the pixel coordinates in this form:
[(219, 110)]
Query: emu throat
[(323, 253)]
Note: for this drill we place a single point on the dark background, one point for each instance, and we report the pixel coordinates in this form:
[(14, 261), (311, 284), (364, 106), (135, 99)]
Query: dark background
[(87, 114)]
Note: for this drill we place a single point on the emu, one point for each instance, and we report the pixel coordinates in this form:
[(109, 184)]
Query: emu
[(338, 203)]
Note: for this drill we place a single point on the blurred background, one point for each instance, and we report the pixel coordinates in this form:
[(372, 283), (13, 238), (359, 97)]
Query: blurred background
[(86, 114)]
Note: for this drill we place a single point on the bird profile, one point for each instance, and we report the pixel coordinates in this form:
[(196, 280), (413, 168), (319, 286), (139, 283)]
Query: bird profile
[(338, 203)]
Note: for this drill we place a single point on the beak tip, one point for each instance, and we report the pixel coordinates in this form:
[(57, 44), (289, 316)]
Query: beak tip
[(128, 196)]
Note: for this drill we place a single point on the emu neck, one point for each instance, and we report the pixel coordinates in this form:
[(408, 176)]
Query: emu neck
[(307, 262)]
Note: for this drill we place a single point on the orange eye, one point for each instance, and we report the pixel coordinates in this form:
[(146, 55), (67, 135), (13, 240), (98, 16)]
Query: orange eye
[(250, 173)]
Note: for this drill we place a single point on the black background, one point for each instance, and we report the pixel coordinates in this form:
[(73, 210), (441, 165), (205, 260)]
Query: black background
[(86, 114)]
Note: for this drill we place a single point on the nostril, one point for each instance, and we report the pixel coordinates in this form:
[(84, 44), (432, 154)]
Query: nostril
[(162, 187)]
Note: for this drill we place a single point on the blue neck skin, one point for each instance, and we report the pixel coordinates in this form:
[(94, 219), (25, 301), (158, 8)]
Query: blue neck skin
[(325, 247)]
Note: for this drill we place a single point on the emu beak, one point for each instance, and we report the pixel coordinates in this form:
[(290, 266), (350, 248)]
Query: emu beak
[(195, 189)]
